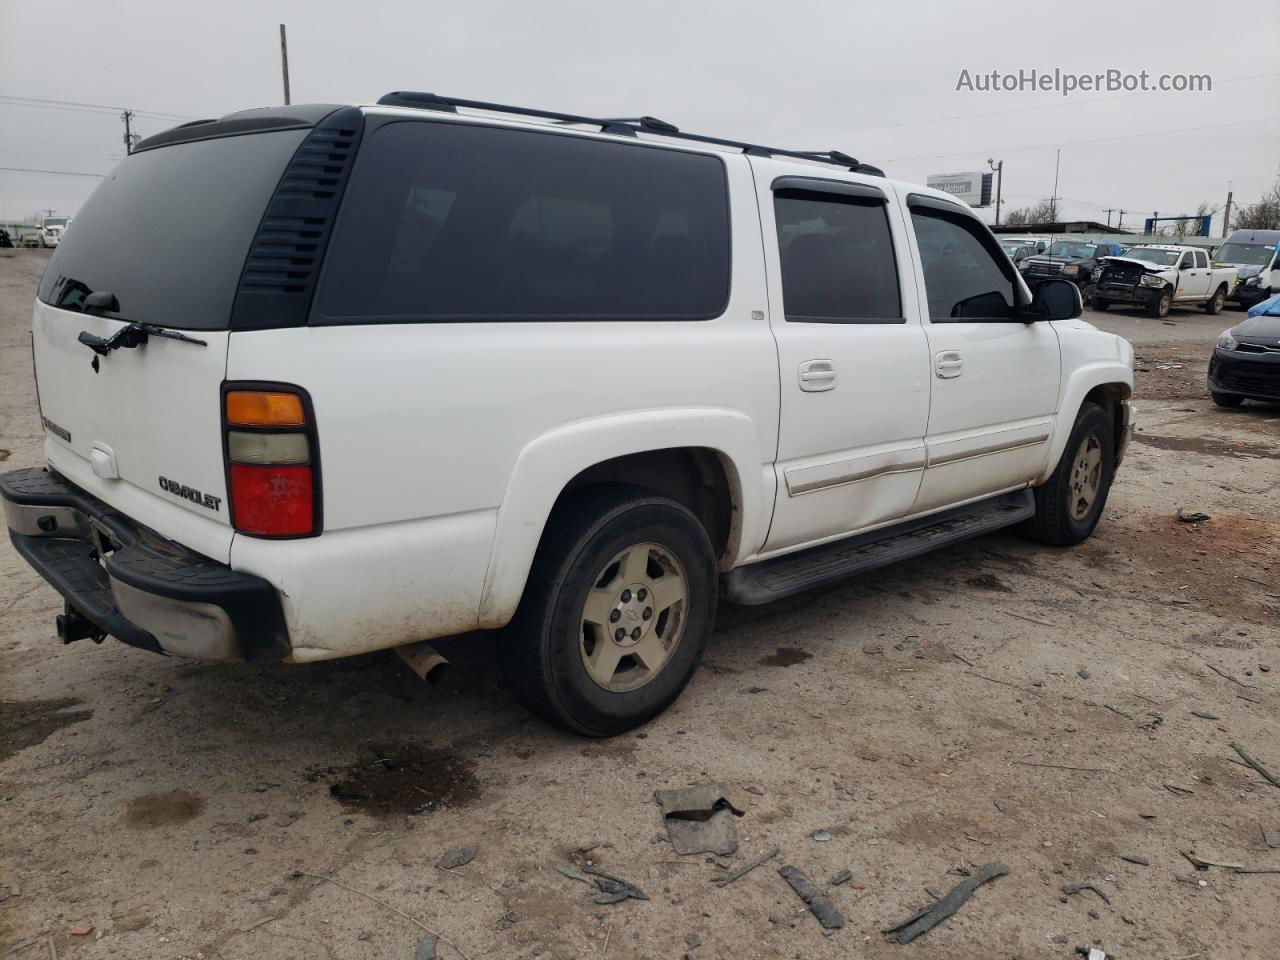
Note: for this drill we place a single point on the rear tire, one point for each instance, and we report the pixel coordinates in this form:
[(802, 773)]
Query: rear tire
[(1159, 304), (615, 613), (1214, 304), (1226, 399), (1070, 503)]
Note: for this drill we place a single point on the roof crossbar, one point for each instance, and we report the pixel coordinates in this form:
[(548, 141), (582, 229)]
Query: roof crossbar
[(622, 126)]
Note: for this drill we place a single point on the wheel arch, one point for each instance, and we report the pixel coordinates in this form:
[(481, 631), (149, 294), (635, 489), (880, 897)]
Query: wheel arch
[(707, 459), (1106, 384)]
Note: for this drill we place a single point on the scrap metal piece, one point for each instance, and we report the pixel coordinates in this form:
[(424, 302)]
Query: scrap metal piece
[(699, 819), (819, 903), (925, 919)]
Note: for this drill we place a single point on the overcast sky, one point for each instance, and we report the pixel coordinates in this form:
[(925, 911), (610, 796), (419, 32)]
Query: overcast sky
[(875, 79)]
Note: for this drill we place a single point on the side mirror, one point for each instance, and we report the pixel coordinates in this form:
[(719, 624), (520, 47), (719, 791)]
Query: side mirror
[(1054, 300)]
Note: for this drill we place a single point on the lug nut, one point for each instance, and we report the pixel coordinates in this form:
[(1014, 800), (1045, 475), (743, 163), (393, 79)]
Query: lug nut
[(641, 594), (614, 615), (635, 634), (648, 612), (626, 596), (619, 634)]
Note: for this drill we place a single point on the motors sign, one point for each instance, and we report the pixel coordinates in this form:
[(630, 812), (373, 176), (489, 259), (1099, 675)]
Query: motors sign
[(973, 188)]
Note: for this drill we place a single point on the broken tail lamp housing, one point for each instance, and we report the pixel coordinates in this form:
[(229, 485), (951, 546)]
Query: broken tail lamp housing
[(272, 458)]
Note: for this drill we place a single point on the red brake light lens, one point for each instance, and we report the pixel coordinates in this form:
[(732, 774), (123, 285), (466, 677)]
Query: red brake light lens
[(272, 501)]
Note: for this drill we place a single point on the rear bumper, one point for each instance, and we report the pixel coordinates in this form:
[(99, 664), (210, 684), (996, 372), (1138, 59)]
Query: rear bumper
[(132, 583)]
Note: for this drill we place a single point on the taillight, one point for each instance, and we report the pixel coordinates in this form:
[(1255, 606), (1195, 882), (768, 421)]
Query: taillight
[(273, 459)]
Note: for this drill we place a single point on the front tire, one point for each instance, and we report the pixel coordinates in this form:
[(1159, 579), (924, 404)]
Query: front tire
[(615, 614), (1214, 304), (1226, 399), (1159, 304), (1070, 504)]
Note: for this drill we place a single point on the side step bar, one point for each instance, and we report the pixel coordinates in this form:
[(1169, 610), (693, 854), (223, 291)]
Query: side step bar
[(794, 573)]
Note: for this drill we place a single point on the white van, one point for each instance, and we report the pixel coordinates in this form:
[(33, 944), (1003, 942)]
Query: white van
[(1256, 256)]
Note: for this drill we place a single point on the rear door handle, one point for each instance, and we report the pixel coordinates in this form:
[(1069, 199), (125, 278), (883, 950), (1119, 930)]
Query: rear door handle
[(948, 364), (817, 375)]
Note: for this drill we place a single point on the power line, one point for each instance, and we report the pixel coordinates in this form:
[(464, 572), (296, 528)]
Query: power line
[(63, 173), (91, 107), (1069, 143)]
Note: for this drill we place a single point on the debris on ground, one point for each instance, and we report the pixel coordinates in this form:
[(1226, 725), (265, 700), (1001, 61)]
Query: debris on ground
[(1270, 837), (1071, 889), (1194, 881), (1178, 791), (819, 903), (1133, 858), (610, 889), (427, 948), (1093, 953), (1204, 715), (1201, 864), (453, 859), (82, 931), (1196, 516), (1266, 774), (746, 868), (925, 919), (699, 819), (844, 876), (822, 836)]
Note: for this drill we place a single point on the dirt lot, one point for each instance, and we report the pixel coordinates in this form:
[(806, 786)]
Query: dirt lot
[(998, 701)]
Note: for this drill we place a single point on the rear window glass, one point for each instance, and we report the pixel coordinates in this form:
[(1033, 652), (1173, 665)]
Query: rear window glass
[(168, 231), (837, 259), (447, 221)]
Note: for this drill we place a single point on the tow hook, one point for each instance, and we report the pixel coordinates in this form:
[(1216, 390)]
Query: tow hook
[(72, 627)]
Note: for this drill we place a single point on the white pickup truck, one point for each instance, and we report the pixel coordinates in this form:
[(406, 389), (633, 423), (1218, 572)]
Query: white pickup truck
[(1158, 276), (396, 372)]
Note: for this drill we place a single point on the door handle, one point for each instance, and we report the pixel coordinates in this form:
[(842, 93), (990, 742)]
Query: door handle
[(948, 364), (817, 375)]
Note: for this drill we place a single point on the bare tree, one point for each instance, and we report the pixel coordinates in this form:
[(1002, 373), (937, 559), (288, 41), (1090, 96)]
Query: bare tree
[(1191, 228), (1041, 212), (1263, 215)]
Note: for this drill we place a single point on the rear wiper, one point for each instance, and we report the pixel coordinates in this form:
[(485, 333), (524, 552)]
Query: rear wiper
[(133, 335)]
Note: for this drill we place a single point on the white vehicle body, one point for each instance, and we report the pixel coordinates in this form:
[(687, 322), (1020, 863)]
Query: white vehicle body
[(444, 446), (1180, 274), (52, 229), (1256, 256)]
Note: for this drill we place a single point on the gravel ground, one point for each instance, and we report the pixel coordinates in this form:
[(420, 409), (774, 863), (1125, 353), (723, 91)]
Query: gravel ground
[(997, 701)]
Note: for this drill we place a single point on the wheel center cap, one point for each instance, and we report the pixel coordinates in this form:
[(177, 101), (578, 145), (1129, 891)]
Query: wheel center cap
[(634, 606)]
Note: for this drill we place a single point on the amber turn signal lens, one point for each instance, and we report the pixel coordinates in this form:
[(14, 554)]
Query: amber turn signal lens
[(258, 408)]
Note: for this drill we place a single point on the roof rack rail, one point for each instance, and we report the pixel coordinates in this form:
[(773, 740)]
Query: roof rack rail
[(621, 126)]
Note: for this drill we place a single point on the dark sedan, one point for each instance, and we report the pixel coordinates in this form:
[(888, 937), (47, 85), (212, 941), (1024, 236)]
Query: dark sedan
[(1246, 362)]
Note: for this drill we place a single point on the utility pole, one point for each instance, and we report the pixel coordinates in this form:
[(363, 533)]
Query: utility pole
[(284, 63), (1053, 201), (1120, 222), (1226, 217), (999, 171), (127, 117), (1109, 216)]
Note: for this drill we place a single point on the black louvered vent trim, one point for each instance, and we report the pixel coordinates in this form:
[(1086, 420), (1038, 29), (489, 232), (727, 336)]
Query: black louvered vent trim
[(281, 269)]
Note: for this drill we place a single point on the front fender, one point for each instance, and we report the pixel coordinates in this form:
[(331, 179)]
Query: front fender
[(1075, 387), (546, 465)]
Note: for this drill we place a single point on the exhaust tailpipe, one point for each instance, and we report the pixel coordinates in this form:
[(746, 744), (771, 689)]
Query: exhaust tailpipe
[(424, 660)]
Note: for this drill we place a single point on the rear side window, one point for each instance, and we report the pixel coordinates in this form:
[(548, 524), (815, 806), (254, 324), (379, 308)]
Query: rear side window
[(456, 222), (963, 279), (837, 259), (1202, 258), (168, 231)]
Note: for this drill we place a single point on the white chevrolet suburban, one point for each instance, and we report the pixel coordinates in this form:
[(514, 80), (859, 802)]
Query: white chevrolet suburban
[(395, 372), (1157, 276)]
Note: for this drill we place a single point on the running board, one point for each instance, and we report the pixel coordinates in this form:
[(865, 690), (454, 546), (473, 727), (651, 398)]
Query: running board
[(794, 573)]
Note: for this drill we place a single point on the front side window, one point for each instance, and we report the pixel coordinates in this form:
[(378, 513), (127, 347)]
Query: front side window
[(963, 279), (837, 259), (460, 222)]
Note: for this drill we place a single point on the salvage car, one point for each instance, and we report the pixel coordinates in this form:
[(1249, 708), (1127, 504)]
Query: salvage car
[(1156, 276), (1017, 250), (1256, 256), (447, 365), (1073, 260), (1246, 359)]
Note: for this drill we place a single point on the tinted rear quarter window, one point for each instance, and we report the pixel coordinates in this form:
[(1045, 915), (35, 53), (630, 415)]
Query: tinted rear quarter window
[(837, 259), (168, 230), (446, 221)]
